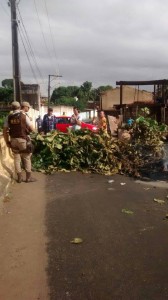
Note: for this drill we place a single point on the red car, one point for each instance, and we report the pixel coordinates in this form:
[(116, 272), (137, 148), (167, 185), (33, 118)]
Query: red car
[(64, 122)]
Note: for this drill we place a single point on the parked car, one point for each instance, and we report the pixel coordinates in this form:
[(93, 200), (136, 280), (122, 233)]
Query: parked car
[(63, 123)]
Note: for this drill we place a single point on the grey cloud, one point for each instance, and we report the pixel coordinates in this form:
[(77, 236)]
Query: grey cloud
[(97, 41)]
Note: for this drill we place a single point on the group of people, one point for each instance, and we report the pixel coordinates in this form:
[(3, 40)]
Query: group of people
[(16, 131), (100, 121), (18, 126), (48, 123)]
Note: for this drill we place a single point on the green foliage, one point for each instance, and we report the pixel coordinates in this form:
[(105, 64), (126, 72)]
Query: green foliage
[(7, 83), (80, 150), (89, 152), (6, 94), (68, 95), (2, 119), (147, 135), (68, 101)]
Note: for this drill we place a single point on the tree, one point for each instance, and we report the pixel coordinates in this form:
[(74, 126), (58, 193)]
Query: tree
[(62, 91), (66, 95), (7, 83), (6, 94), (86, 89), (104, 88)]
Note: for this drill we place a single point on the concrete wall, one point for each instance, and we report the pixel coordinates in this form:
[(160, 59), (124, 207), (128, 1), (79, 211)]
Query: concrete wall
[(7, 169), (130, 95), (68, 110), (58, 110)]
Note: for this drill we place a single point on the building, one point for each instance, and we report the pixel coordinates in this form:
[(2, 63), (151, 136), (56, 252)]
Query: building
[(31, 94), (58, 110), (111, 98)]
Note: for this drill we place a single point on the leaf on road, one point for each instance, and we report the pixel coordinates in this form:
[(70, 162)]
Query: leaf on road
[(77, 241), (127, 211), (159, 201)]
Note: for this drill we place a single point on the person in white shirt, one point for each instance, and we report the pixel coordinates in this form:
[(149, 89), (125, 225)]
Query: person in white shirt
[(76, 119)]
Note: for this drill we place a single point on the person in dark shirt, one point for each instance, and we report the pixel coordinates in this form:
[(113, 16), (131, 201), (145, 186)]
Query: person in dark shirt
[(49, 121), (16, 129), (39, 123)]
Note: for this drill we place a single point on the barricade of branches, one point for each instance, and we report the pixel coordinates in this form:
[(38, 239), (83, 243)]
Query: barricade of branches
[(86, 151)]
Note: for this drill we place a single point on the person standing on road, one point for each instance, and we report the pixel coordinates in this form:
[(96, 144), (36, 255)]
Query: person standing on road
[(25, 106), (39, 123), (17, 127), (130, 121), (49, 121), (94, 121), (102, 123), (76, 119)]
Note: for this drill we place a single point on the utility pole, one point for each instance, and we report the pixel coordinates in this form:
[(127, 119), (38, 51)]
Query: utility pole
[(15, 52), (49, 87)]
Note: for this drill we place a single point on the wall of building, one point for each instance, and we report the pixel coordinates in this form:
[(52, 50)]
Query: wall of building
[(58, 110), (67, 111), (31, 94), (130, 95)]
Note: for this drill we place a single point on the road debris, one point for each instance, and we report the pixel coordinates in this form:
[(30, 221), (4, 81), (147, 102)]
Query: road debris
[(76, 241), (91, 152), (127, 211), (160, 201), (147, 228)]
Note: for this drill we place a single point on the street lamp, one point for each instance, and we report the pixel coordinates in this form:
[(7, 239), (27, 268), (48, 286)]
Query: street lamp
[(49, 80)]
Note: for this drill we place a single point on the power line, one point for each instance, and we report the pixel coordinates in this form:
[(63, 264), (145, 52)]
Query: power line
[(27, 39), (28, 56), (48, 52), (51, 34)]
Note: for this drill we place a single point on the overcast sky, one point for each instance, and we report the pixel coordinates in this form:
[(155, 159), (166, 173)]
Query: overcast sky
[(88, 40)]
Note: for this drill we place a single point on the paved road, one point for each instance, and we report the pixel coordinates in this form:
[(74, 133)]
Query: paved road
[(123, 256)]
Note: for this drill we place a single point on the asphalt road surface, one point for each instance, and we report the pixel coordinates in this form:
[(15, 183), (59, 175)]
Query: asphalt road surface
[(124, 253), (124, 232)]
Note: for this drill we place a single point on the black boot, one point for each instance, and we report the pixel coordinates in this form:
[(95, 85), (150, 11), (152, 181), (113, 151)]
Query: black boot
[(20, 179), (29, 178)]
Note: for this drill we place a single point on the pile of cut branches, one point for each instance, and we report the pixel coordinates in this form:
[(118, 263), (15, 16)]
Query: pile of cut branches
[(86, 151)]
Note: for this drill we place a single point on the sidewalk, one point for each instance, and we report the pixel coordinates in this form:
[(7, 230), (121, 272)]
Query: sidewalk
[(22, 243)]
